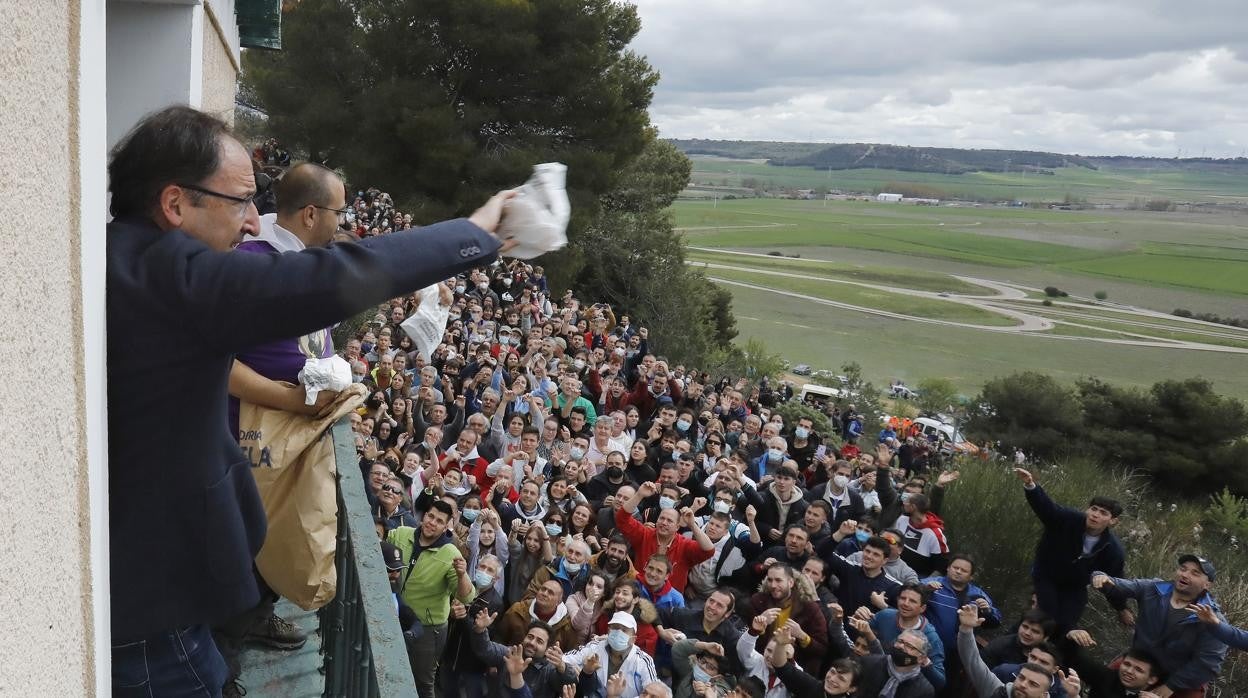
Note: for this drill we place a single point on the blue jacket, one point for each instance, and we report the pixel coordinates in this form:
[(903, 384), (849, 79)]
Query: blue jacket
[(1230, 634), (1059, 554), (942, 609), (884, 624), (183, 534), (1189, 654)]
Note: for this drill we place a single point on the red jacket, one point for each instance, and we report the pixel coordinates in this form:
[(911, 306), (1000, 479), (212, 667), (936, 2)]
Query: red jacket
[(684, 553)]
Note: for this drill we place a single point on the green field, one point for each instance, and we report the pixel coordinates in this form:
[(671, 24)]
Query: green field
[(825, 337), (908, 278), (869, 298), (1108, 185), (1159, 261), (1072, 241)]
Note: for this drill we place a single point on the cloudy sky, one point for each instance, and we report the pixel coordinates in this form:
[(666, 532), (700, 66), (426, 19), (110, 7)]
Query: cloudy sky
[(1132, 77)]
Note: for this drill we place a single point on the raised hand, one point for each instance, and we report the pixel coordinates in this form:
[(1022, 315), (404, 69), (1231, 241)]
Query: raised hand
[(750, 514), (460, 566), (947, 477), (1082, 638), (1100, 580), (1070, 682), (591, 664), (554, 655), (483, 620), (615, 684), (862, 627), (968, 617), (1025, 477), (458, 609), (878, 600), (515, 661), (1204, 613), (648, 489)]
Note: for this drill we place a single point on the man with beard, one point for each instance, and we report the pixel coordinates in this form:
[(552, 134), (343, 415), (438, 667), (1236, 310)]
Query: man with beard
[(601, 488), (546, 673), (788, 600), (613, 562)]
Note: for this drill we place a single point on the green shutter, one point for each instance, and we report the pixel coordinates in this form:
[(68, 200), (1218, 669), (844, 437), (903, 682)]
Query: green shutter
[(259, 23)]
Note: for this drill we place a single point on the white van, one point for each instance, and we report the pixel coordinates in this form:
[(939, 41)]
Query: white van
[(820, 395), (934, 429)]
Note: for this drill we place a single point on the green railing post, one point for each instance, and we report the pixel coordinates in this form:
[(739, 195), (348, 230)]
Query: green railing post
[(365, 654)]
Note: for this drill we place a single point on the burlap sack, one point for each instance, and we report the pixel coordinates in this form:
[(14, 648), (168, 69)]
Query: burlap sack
[(292, 459)]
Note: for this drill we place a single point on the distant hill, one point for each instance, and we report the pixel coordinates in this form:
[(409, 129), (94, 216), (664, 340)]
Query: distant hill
[(850, 156)]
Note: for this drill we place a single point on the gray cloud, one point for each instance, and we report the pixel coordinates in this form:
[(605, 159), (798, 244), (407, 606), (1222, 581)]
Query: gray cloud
[(1091, 76)]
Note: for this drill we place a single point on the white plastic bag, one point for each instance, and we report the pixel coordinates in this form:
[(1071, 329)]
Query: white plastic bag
[(427, 325), (333, 373), (537, 217)]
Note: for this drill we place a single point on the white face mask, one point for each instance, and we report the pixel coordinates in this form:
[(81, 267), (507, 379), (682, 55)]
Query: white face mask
[(840, 481), (722, 507)]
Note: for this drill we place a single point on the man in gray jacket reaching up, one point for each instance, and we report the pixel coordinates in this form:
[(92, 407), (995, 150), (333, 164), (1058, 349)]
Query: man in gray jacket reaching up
[(1033, 680)]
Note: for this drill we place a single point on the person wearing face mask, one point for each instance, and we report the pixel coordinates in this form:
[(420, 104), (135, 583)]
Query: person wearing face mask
[(765, 465), (601, 488), (571, 570), (845, 503), (617, 653), (460, 665), (804, 443), (896, 672), (699, 668)]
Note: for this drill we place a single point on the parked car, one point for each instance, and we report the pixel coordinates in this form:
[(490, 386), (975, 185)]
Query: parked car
[(802, 369), (900, 391)]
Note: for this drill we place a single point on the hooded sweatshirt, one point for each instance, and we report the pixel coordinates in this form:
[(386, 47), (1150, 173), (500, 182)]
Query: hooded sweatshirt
[(924, 544)]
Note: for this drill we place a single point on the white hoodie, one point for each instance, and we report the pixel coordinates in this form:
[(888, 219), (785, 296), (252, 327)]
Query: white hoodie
[(637, 667)]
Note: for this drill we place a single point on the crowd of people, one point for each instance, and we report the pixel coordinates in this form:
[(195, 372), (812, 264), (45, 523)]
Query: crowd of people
[(564, 512)]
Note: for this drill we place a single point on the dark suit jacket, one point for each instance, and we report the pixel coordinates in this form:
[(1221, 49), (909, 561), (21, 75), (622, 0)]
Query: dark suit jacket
[(185, 518)]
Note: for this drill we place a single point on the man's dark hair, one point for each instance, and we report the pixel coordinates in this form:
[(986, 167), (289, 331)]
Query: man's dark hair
[(970, 560), (920, 502), (439, 505), (530, 429), (786, 471), (848, 665), (732, 597), (1111, 505), (879, 544), (1032, 666), (1142, 655), (752, 686), (922, 590), (175, 144), (1038, 617), (539, 625), (662, 560), (797, 527), (305, 184), (823, 505), (619, 538), (579, 410), (1050, 649)]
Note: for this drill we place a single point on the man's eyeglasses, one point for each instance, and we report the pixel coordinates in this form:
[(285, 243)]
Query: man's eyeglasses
[(263, 182), (342, 212), (391, 490)]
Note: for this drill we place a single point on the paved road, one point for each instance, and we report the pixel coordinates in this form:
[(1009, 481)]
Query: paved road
[(1027, 322)]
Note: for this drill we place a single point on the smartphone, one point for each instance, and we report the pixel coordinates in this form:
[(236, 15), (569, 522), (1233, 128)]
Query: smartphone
[(821, 451)]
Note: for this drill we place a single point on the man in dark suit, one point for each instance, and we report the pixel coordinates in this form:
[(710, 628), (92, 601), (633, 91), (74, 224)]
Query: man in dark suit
[(186, 520)]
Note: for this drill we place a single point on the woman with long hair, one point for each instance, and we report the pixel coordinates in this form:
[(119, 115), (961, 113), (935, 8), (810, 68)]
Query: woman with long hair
[(583, 526), (529, 549), (585, 604)]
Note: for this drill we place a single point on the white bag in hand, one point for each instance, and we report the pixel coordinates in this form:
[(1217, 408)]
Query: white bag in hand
[(537, 217), (427, 325), (333, 373)]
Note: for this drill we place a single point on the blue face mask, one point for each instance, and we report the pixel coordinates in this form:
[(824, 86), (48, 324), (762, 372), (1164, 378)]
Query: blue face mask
[(699, 674), (683, 425), (554, 529), (471, 515), (618, 639), (801, 432), (774, 454), (667, 503), (481, 579), (357, 377), (861, 536)]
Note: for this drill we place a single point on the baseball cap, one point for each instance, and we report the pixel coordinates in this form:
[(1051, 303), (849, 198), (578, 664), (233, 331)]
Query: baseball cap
[(625, 619), (392, 556), (1205, 565)]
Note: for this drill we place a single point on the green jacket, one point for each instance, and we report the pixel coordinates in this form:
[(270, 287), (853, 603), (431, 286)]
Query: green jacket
[(428, 585)]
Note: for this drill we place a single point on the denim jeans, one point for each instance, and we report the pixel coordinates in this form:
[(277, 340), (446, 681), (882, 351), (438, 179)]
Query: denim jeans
[(181, 662), (424, 653)]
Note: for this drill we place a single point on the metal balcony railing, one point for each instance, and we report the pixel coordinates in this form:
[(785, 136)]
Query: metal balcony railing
[(364, 652)]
